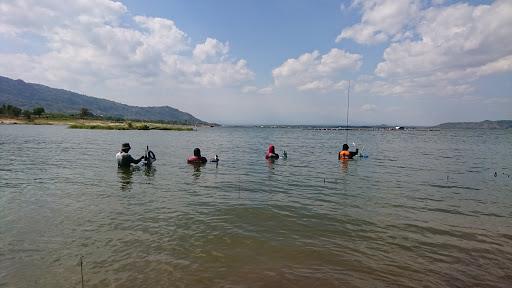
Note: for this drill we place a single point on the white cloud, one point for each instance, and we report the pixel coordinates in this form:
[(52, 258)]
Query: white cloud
[(455, 45), (249, 89), (336, 60), (312, 71), (319, 85), (409, 87), (323, 85), (222, 74), (210, 48), (499, 66), (93, 45), (267, 90), (161, 36), (453, 38), (368, 108), (452, 47), (381, 20), (43, 16)]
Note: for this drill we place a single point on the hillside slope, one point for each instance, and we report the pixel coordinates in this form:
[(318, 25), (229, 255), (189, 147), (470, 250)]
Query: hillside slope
[(29, 95), (487, 124)]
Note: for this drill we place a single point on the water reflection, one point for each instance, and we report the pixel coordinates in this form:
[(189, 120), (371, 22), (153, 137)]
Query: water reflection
[(270, 163), (197, 169), (125, 175), (344, 165), (149, 171)]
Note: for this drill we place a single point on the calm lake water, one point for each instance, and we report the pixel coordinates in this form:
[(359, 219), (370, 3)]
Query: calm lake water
[(423, 210)]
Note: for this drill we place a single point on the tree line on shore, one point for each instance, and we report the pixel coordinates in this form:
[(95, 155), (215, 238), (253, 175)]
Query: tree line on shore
[(8, 110), (14, 111)]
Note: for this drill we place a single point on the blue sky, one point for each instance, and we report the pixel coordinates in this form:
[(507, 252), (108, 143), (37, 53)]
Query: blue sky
[(418, 62)]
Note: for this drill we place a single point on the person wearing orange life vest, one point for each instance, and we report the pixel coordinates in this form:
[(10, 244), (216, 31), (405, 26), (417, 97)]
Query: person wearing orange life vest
[(345, 154)]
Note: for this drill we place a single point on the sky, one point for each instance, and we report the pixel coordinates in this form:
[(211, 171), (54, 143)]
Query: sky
[(408, 62)]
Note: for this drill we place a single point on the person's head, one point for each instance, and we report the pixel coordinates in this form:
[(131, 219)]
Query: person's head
[(125, 147), (197, 152), (345, 147), (271, 149)]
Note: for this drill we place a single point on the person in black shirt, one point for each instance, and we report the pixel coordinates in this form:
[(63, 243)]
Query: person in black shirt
[(124, 159)]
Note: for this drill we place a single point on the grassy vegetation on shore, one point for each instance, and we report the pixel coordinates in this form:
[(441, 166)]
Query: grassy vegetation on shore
[(85, 119), (102, 124), (130, 126)]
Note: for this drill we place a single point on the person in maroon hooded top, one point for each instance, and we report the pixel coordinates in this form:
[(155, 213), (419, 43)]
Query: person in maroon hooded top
[(197, 158), (271, 153)]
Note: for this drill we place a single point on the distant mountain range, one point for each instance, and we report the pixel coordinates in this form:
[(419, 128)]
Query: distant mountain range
[(487, 124), (29, 95)]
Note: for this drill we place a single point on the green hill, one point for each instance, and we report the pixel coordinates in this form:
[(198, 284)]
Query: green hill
[(29, 95), (487, 124)]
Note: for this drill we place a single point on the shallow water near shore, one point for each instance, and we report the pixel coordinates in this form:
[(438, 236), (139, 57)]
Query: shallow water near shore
[(424, 209)]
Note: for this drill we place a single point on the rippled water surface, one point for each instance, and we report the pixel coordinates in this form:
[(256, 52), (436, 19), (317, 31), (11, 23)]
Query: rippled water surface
[(425, 209)]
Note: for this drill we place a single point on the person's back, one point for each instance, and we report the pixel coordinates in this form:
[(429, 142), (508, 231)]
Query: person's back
[(124, 159), (197, 158), (345, 154)]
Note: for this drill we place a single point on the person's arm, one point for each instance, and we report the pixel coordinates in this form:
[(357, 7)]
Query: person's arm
[(352, 154), (135, 161), (273, 156)]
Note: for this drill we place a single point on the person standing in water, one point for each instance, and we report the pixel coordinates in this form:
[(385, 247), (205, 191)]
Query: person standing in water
[(197, 158), (345, 154), (124, 159), (271, 153)]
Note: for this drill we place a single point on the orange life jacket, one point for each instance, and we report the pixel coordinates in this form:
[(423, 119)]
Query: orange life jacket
[(344, 154)]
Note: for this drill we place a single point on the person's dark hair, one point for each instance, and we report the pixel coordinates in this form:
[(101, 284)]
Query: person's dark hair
[(197, 152), (345, 147)]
